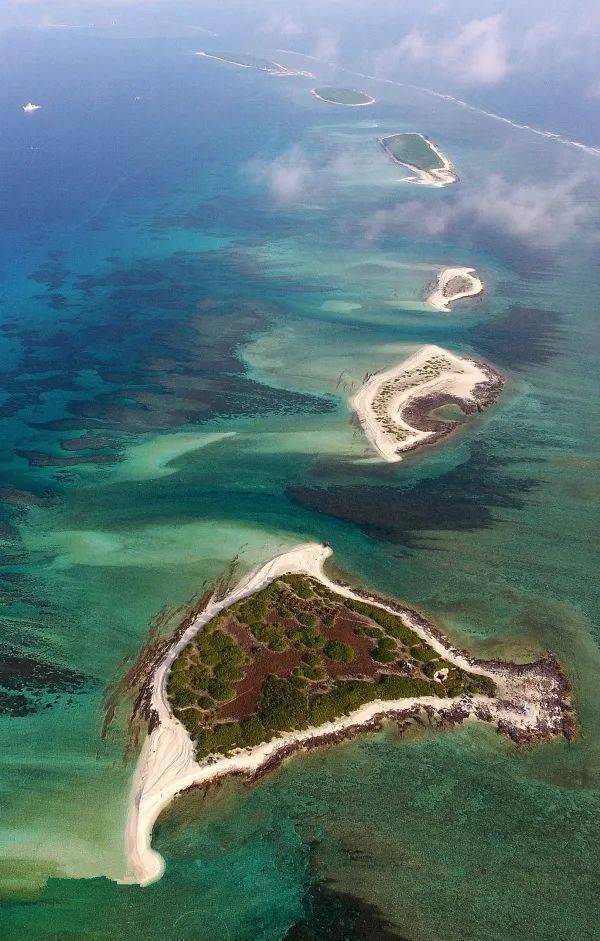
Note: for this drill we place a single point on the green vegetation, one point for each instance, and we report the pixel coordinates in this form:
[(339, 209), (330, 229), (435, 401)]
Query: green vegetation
[(413, 150), (338, 650), (348, 695), (342, 96), (300, 684)]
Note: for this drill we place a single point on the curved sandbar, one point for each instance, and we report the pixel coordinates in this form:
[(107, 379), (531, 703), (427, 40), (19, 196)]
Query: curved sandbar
[(454, 284), (247, 61), (531, 702), (348, 97), (394, 406), (429, 166)]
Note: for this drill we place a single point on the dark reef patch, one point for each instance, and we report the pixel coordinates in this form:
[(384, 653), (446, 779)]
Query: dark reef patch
[(28, 684), (339, 916), (157, 344), (410, 513), (520, 337)]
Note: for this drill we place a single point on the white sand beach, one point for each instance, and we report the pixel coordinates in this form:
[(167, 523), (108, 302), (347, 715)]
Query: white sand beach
[(393, 405), (466, 284)]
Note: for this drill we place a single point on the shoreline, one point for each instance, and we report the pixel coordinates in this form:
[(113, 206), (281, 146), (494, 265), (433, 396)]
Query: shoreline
[(442, 176), (531, 703), (442, 302), (280, 70), (394, 406), (345, 104)]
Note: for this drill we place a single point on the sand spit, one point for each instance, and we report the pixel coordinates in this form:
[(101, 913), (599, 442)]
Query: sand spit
[(276, 69), (454, 284), (441, 176), (532, 703), (394, 406)]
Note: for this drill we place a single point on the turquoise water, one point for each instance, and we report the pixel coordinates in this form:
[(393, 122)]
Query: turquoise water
[(194, 331)]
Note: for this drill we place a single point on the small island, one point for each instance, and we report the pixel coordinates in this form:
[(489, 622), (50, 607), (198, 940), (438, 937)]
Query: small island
[(395, 407), (246, 61), (289, 660), (454, 284), (343, 96), (429, 166)]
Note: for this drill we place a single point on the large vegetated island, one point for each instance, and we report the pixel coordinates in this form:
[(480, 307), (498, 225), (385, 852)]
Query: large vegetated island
[(289, 659), (343, 96), (416, 152)]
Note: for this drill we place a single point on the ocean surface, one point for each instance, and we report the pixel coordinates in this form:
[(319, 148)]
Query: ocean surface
[(198, 264)]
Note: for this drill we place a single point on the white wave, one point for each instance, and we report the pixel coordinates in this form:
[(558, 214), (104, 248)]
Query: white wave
[(541, 132)]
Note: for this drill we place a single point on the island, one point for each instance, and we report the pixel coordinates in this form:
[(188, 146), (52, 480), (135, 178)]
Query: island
[(454, 284), (395, 407), (289, 659), (247, 61), (429, 166), (343, 96)]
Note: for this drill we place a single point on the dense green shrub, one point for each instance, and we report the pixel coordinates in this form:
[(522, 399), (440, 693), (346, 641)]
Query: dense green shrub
[(338, 650), (299, 585), (283, 704), (253, 732), (371, 631), (253, 608), (220, 690), (348, 695), (228, 672), (391, 623), (308, 619), (274, 635), (313, 673), (222, 738), (308, 637), (386, 650), (312, 658), (423, 652)]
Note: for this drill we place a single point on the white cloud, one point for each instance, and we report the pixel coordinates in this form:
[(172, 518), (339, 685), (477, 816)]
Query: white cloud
[(326, 46), (479, 51), (593, 90), (542, 214), (476, 54), (288, 177), (280, 26)]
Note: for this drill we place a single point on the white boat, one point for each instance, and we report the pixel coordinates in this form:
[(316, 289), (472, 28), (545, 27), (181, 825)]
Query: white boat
[(31, 107)]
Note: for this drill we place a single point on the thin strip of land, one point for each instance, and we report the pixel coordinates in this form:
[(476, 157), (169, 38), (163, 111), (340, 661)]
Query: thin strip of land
[(394, 407), (379, 660), (246, 61), (454, 284), (428, 165)]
